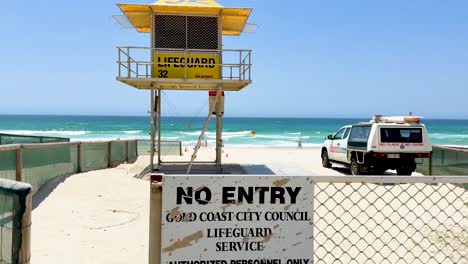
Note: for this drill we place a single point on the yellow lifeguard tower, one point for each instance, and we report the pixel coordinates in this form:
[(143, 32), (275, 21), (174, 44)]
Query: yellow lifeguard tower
[(185, 54)]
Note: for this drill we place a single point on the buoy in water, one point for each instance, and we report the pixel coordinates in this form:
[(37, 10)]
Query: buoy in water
[(253, 133)]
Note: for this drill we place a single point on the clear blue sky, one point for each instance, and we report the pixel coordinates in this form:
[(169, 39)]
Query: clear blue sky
[(311, 59)]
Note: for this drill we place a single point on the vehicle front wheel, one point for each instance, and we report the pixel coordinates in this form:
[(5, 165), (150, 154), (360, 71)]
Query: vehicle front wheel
[(325, 160), (356, 168)]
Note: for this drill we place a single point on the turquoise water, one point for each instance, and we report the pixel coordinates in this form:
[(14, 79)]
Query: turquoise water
[(280, 132)]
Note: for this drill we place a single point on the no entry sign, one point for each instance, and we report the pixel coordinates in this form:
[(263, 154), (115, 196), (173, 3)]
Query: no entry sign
[(237, 220)]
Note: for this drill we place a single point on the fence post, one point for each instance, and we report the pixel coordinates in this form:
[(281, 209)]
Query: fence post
[(109, 154), (155, 219), (78, 154), (25, 251), (136, 148), (126, 150), (430, 164), (19, 163)]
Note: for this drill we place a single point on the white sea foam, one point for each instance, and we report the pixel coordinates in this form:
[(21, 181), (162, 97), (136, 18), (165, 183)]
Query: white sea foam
[(132, 132), (448, 136)]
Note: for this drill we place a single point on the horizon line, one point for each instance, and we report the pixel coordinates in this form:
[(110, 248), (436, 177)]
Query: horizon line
[(252, 117)]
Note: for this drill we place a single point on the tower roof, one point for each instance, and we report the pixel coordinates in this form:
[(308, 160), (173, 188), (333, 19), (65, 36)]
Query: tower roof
[(233, 19)]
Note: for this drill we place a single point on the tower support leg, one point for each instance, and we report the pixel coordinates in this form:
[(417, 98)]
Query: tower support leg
[(152, 144), (159, 126), (219, 138), (205, 127)]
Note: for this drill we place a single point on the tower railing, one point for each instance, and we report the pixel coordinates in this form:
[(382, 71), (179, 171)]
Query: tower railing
[(137, 62)]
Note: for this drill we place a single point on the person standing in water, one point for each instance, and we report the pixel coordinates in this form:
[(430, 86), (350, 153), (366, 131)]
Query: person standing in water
[(299, 142)]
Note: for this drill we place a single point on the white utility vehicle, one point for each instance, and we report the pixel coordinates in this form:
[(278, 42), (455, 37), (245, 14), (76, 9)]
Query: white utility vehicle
[(378, 145)]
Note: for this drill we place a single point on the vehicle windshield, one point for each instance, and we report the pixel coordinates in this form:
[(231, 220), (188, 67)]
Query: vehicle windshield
[(401, 135)]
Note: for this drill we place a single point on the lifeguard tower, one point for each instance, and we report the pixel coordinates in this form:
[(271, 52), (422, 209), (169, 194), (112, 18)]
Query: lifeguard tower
[(185, 54)]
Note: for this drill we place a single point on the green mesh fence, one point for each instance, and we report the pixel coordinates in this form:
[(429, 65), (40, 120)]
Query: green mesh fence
[(446, 161), (167, 147), (8, 164), (144, 147), (94, 156), (13, 201), (132, 150), (45, 163), (74, 156), (6, 139), (118, 152)]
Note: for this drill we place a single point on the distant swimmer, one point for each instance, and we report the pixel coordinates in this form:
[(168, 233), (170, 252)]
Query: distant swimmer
[(253, 133), (299, 143)]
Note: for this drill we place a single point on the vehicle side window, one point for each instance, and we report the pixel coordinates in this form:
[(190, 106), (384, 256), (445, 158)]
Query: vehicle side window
[(346, 134), (339, 134), (360, 133)]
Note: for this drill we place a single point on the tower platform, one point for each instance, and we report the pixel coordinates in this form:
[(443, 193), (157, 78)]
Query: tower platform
[(182, 69)]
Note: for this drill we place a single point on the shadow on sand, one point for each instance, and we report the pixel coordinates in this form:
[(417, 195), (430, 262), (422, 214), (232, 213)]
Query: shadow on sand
[(47, 189), (209, 169)]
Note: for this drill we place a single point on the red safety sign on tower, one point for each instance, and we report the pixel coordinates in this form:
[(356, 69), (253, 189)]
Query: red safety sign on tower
[(212, 98)]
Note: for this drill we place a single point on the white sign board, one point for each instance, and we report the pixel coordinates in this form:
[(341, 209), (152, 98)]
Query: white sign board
[(237, 220)]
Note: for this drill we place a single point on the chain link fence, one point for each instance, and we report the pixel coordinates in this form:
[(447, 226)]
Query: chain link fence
[(390, 220)]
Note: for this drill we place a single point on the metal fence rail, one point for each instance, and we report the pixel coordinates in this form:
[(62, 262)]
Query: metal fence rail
[(390, 219)]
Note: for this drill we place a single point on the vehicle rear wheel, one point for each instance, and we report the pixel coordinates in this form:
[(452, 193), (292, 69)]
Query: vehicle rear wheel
[(325, 160), (356, 168)]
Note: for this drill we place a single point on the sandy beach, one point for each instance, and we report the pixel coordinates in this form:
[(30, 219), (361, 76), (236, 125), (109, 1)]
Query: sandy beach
[(102, 216)]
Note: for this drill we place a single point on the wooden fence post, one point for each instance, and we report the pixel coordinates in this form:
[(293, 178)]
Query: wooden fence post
[(136, 148), (126, 151), (155, 219), (109, 154), (430, 164), (78, 154), (19, 163), (25, 251)]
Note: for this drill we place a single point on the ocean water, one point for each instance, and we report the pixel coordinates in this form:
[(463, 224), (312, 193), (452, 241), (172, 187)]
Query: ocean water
[(279, 132)]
